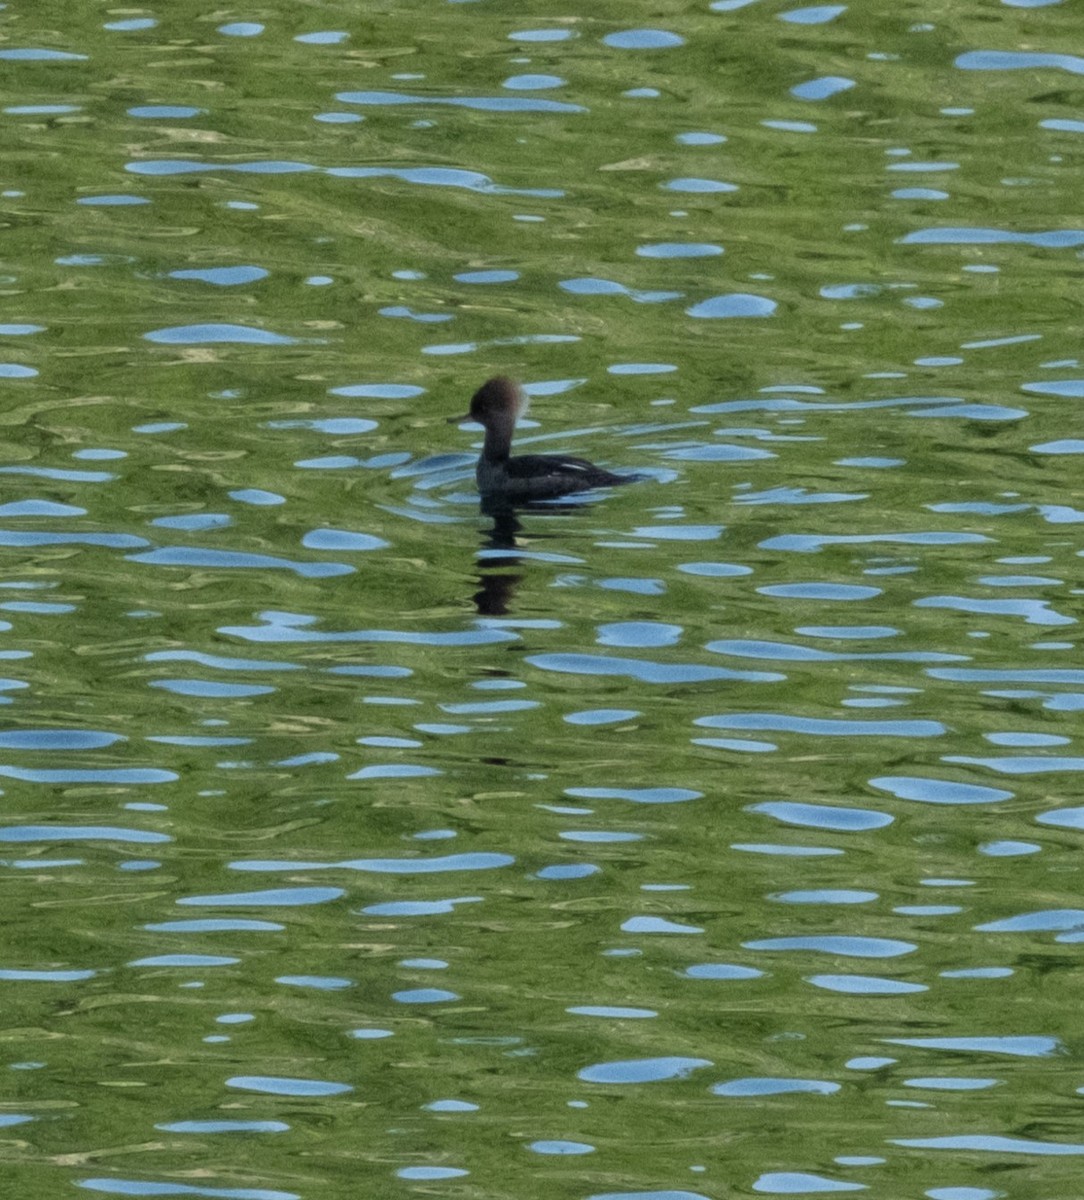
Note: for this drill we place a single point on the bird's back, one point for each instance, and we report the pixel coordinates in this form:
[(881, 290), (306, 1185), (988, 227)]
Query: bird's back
[(543, 476)]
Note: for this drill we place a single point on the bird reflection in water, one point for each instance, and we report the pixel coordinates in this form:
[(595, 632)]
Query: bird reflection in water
[(500, 553)]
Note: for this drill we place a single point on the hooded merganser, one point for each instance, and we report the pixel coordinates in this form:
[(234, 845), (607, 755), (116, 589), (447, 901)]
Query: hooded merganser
[(521, 478)]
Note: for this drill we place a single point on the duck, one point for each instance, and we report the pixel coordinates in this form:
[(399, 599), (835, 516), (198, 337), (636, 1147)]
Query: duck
[(510, 478)]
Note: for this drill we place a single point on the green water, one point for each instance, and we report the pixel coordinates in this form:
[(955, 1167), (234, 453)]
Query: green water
[(719, 836)]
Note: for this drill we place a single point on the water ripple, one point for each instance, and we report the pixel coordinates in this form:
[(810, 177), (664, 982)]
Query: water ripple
[(802, 1183), (9, 975), (823, 816), (276, 1085), (819, 14), (822, 88), (216, 334), (762, 1085), (991, 1143), (806, 543), (938, 791), (215, 925), (281, 627), (481, 103), (117, 775), (1023, 764), (1046, 921), (948, 235), (1026, 1046), (117, 541), (733, 304), (71, 833), (649, 795), (1017, 60), (645, 671), (473, 181), (1034, 612), (35, 54), (219, 661), (474, 861), (142, 1187), (865, 985), (201, 556), (669, 1193), (57, 739), (591, 286), (845, 947), (788, 652), (642, 1070), (223, 1126), (271, 896), (823, 727)]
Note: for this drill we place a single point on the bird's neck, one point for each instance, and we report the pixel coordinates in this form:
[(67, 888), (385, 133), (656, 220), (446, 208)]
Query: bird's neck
[(498, 442)]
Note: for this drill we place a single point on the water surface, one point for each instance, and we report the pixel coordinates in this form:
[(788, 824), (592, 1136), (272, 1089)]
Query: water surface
[(354, 841)]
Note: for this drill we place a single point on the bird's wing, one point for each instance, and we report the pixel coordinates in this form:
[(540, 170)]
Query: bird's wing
[(524, 466)]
